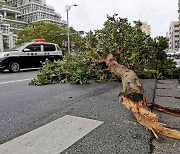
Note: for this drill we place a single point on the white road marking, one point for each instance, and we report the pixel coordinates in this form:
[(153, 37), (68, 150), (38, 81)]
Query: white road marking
[(15, 81), (51, 138)]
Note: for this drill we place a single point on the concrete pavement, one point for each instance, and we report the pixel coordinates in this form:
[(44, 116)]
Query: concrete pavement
[(167, 94)]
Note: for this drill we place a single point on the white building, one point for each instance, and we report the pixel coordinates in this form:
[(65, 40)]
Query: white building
[(146, 28), (9, 25), (16, 14), (174, 37), (179, 8), (36, 10)]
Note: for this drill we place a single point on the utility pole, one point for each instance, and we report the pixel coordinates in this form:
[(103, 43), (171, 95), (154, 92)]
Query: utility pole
[(68, 30)]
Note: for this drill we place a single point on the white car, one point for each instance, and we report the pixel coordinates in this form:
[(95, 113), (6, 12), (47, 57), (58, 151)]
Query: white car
[(29, 55), (177, 55)]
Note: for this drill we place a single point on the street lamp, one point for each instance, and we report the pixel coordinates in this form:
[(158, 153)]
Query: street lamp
[(68, 7)]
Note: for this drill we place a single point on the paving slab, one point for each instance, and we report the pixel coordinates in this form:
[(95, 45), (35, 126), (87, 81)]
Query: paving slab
[(170, 102), (169, 85), (168, 81), (165, 96), (168, 93)]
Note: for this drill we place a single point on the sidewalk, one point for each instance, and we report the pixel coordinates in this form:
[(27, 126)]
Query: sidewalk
[(167, 95)]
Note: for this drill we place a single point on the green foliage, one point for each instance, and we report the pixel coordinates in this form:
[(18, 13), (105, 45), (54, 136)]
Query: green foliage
[(132, 47), (3, 3), (11, 17), (75, 69), (176, 73), (127, 43), (50, 32)]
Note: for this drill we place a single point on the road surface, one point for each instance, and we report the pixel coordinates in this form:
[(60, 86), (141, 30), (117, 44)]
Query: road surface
[(25, 108)]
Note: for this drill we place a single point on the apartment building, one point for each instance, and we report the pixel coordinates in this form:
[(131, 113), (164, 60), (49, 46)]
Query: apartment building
[(15, 14), (146, 28), (174, 35), (10, 23), (33, 12), (36, 10), (179, 9)]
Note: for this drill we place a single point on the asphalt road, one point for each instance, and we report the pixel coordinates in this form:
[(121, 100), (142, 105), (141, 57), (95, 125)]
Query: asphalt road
[(24, 108)]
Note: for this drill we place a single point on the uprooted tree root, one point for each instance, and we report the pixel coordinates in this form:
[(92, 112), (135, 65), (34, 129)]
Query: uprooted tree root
[(133, 98)]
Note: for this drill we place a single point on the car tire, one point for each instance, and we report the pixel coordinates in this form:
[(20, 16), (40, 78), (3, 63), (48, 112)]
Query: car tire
[(14, 67)]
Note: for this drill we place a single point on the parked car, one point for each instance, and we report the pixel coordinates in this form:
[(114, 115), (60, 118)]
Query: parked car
[(28, 55), (177, 55), (170, 55)]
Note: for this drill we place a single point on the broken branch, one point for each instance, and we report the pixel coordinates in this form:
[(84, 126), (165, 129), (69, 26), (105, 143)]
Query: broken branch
[(133, 98)]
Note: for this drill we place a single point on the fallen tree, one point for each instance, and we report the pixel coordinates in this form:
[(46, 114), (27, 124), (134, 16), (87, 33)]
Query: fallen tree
[(133, 49), (133, 98)]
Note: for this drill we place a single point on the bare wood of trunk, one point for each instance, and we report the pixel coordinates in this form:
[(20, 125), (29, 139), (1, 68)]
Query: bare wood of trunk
[(134, 99)]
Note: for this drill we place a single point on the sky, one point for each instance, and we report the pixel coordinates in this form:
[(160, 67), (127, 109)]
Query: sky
[(91, 14)]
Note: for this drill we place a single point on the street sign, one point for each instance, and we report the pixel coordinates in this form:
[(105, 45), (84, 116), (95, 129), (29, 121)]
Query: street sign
[(80, 33)]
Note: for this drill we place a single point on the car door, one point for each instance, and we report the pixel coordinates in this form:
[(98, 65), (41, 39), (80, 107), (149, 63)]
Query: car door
[(49, 50), (33, 55)]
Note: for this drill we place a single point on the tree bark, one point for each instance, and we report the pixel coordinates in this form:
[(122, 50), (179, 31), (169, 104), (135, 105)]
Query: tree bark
[(133, 98)]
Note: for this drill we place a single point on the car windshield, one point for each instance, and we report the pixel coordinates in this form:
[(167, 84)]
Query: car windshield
[(18, 47)]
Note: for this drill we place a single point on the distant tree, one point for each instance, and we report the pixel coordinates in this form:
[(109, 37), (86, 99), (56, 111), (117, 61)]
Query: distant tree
[(50, 32)]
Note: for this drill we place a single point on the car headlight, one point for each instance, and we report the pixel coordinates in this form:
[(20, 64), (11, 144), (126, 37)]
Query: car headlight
[(6, 55)]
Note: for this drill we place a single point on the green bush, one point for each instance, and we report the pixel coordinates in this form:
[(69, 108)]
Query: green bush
[(176, 73), (75, 69)]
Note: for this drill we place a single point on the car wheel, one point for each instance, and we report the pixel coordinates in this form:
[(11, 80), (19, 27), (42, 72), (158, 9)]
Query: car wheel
[(14, 67)]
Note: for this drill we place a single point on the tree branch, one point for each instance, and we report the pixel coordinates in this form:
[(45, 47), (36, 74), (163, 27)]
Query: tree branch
[(133, 98)]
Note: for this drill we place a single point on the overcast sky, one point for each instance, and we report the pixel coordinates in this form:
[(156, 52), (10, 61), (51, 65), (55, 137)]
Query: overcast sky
[(91, 14)]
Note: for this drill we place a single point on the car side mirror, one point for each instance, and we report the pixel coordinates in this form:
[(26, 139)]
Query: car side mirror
[(26, 50)]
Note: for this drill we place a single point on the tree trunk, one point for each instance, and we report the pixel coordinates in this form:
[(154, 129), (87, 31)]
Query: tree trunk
[(133, 98)]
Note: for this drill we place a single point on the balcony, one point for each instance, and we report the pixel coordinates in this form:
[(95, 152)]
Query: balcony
[(11, 17)]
